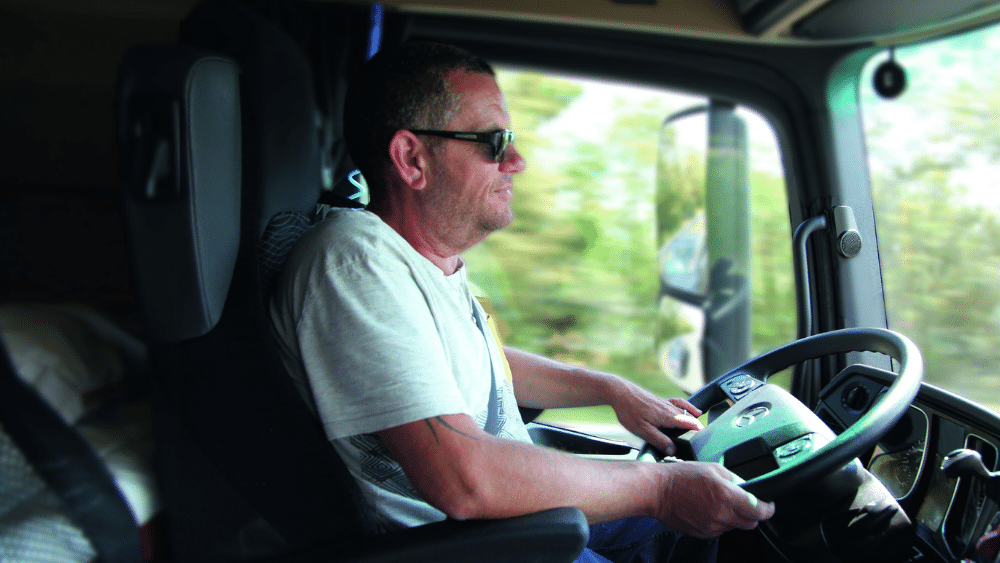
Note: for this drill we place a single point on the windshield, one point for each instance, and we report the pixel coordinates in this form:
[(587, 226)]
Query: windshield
[(934, 155)]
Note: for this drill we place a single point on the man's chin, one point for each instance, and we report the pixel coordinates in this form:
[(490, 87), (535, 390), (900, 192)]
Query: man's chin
[(507, 217), (498, 221)]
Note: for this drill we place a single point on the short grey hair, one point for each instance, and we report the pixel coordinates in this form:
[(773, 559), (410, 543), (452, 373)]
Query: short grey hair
[(404, 87)]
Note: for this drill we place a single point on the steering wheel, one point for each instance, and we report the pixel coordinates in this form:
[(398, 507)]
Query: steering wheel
[(770, 435)]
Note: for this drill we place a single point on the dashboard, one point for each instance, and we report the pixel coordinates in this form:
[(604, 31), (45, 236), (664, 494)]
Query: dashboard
[(951, 514)]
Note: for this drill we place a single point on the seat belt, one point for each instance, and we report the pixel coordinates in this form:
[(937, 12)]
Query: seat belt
[(70, 467), (492, 425), (527, 414), (491, 323)]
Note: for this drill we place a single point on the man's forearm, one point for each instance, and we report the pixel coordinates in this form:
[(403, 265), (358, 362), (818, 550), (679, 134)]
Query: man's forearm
[(543, 383), (468, 473), (519, 478)]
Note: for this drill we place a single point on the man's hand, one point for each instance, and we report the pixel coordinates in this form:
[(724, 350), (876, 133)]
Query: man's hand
[(542, 383), (643, 414), (704, 500)]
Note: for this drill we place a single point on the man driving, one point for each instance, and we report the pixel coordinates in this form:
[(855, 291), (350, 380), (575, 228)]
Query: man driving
[(383, 337)]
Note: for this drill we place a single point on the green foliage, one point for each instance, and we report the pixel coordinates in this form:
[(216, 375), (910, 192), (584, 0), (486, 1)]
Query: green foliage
[(942, 258), (681, 186), (772, 279), (575, 277), (535, 98)]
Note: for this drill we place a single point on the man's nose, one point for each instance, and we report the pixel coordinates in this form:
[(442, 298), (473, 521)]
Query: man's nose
[(514, 162)]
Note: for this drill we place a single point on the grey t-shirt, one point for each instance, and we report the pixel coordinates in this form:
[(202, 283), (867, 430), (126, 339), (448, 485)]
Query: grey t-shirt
[(375, 336)]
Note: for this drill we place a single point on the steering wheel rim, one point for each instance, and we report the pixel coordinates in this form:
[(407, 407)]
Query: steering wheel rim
[(860, 436)]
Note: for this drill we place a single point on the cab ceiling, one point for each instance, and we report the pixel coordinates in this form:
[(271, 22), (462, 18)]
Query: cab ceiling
[(882, 22)]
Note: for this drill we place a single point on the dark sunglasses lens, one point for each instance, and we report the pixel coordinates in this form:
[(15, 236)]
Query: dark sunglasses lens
[(502, 140)]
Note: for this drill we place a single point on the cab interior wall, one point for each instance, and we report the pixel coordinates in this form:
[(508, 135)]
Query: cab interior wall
[(858, 281), (59, 71), (60, 204)]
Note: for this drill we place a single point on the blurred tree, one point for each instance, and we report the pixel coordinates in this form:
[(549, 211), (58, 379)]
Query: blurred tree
[(772, 279), (943, 257), (574, 275), (681, 185)]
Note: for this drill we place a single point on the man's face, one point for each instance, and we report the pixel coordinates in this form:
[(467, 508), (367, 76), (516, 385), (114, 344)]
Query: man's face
[(471, 191)]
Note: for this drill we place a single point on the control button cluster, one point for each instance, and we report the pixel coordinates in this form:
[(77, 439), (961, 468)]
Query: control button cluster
[(794, 447), (799, 448), (740, 385)]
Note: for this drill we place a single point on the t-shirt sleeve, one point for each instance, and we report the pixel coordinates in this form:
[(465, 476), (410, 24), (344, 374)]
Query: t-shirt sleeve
[(370, 349)]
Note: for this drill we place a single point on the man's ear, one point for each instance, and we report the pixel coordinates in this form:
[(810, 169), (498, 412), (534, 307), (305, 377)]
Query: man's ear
[(409, 156)]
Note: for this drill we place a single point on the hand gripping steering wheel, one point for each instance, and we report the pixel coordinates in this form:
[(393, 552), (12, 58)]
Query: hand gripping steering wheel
[(774, 440)]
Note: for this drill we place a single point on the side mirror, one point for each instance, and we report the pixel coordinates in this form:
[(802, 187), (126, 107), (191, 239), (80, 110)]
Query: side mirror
[(703, 230), (683, 262)]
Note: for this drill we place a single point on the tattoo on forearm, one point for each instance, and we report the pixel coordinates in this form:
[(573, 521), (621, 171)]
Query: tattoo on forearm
[(434, 432), (444, 423)]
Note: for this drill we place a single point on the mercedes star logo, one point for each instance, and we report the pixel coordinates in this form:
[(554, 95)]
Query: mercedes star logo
[(751, 415)]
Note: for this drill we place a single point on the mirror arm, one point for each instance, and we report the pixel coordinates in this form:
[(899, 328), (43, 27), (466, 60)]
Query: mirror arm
[(689, 297)]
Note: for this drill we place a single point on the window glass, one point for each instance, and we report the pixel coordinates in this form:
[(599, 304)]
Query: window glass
[(578, 274), (934, 156)]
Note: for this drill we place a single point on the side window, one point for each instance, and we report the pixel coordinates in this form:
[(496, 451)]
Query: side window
[(605, 222), (934, 160)]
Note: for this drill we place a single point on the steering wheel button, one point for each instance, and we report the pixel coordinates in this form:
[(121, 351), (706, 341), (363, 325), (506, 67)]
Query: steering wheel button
[(788, 450), (794, 447), (741, 385)]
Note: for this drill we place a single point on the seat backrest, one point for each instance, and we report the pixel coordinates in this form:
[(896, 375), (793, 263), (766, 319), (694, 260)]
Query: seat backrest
[(289, 160), (179, 130), (246, 470)]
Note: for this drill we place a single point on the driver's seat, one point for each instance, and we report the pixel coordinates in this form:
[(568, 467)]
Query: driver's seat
[(246, 471)]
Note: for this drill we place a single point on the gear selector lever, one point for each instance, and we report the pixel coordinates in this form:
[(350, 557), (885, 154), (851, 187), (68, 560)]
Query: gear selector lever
[(969, 463)]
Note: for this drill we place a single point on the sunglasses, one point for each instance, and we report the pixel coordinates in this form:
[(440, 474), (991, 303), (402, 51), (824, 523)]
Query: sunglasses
[(499, 140)]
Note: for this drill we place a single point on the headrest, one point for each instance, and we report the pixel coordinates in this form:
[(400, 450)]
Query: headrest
[(283, 122), (178, 129)]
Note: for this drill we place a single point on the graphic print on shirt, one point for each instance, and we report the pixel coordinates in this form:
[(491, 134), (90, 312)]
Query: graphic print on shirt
[(509, 425), (378, 467)]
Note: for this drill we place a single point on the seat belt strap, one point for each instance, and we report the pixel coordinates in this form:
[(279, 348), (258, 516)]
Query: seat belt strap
[(491, 322), (70, 467)]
